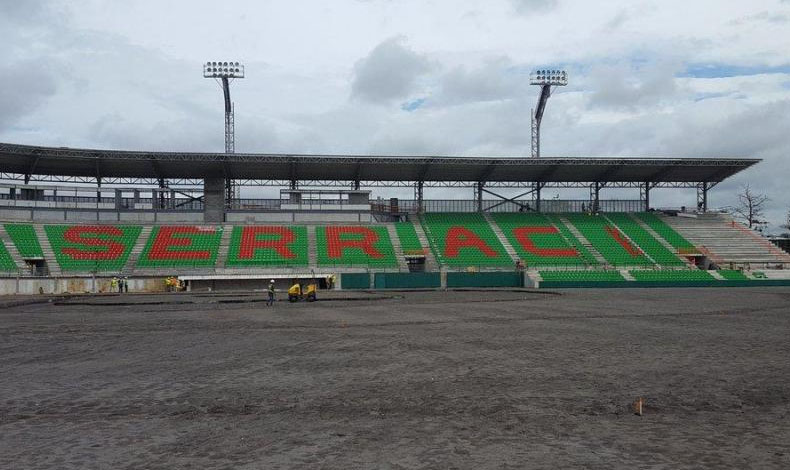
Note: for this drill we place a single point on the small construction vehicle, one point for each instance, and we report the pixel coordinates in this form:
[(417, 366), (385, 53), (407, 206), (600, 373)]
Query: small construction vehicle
[(296, 294)]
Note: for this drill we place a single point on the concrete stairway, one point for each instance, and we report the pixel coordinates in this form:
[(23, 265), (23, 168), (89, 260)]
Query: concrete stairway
[(224, 246), (49, 253), (501, 237), (726, 240), (137, 249), (430, 260), (586, 243), (312, 247), (397, 248), (11, 248)]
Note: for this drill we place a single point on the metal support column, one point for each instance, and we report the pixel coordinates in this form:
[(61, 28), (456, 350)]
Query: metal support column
[(595, 196), (535, 135), (479, 196), (645, 195), (162, 186), (538, 187), (418, 196), (702, 196)]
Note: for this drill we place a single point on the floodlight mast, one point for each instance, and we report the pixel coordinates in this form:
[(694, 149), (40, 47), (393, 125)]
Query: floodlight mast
[(545, 79), (223, 73)]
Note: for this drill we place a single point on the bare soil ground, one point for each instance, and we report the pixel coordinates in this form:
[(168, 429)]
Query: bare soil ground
[(477, 379)]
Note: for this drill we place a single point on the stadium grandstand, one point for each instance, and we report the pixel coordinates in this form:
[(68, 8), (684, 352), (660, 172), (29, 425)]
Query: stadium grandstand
[(72, 219)]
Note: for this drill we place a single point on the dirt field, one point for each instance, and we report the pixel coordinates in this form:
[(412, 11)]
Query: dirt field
[(399, 380)]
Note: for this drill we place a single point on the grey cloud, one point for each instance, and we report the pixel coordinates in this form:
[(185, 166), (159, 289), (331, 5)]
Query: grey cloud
[(618, 20), (762, 17), (623, 87), (528, 7), (389, 72), (496, 79), (23, 87), (22, 10)]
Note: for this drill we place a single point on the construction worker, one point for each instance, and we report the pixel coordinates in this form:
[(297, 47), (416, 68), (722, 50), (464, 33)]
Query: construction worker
[(113, 284), (270, 300)]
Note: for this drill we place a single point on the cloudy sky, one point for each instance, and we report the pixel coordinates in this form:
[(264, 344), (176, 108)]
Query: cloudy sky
[(691, 78)]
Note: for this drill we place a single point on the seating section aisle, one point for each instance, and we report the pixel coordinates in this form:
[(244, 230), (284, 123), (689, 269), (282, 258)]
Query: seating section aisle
[(595, 276), (666, 232), (409, 242), (276, 246), (355, 246), (609, 241), (537, 241), (671, 275), (6, 262), (90, 248), (181, 246), (646, 242), (462, 239), (25, 239)]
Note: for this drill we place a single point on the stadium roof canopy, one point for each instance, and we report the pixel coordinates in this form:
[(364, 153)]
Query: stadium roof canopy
[(107, 164)]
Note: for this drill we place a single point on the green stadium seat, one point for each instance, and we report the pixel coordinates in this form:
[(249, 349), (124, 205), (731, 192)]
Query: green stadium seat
[(180, 246), (409, 242), (672, 275), (539, 243), (6, 262), (25, 240), (276, 246), (92, 247), (355, 246), (582, 276), (667, 233), (464, 240), (608, 240), (733, 275), (660, 254)]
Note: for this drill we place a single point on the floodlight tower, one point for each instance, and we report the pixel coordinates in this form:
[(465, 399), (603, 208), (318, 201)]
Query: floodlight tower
[(224, 73), (545, 79)]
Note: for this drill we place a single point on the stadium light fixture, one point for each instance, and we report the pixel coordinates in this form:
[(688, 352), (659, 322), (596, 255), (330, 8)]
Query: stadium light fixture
[(223, 69), (549, 77)]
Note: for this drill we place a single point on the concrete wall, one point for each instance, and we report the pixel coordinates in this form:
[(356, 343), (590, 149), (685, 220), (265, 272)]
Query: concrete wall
[(184, 217), (214, 199), (298, 217), (137, 217), (248, 218), (31, 286), (16, 214), (329, 217)]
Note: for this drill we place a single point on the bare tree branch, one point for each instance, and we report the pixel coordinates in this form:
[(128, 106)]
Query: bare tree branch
[(751, 207)]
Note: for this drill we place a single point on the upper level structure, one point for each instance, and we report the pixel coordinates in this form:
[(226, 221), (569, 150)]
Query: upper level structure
[(170, 171)]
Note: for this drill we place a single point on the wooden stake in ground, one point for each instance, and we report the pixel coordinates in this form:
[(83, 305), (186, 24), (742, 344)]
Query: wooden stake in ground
[(637, 405)]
